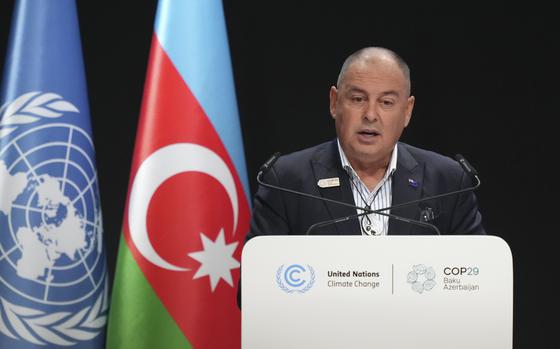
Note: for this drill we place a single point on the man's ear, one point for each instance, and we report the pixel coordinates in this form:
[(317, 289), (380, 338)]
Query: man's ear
[(409, 107), (333, 95)]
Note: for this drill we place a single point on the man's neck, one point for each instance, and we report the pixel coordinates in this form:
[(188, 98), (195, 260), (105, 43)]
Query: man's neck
[(370, 173)]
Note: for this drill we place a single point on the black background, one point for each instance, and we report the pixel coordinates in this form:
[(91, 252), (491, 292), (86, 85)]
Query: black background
[(485, 77)]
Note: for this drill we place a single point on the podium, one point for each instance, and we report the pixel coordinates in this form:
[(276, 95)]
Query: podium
[(389, 292)]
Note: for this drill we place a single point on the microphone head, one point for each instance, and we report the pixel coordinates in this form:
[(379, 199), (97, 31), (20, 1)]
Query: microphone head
[(465, 165), (268, 164)]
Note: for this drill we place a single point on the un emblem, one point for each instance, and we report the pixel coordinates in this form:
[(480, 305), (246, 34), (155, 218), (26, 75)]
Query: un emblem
[(295, 278), (51, 250)]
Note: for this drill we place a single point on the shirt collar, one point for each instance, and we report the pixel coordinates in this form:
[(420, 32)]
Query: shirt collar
[(348, 167)]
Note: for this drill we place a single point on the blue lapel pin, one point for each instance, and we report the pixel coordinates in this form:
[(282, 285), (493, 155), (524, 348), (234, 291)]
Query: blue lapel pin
[(413, 183)]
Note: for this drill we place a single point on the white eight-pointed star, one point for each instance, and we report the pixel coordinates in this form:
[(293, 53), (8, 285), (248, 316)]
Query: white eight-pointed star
[(216, 260)]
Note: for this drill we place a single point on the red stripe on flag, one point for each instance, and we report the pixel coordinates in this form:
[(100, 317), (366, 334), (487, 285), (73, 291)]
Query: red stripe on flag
[(185, 206)]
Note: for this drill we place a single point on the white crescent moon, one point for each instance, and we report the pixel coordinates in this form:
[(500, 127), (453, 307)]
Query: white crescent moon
[(158, 167)]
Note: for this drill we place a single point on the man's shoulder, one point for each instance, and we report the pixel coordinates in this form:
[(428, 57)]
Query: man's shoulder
[(429, 159), (300, 162), (319, 152), (424, 154)]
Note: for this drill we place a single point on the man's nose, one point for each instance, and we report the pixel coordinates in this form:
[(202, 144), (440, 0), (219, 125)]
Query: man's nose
[(370, 112)]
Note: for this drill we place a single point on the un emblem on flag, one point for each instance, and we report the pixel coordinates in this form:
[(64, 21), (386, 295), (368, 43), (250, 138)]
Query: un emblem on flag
[(51, 250)]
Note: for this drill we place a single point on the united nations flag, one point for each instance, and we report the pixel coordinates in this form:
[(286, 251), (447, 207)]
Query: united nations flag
[(53, 274)]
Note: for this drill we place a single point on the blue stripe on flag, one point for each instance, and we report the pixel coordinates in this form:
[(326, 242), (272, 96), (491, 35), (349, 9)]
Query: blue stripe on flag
[(193, 34)]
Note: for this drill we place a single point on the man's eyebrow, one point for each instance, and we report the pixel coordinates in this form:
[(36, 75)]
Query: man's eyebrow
[(354, 89), (391, 93)]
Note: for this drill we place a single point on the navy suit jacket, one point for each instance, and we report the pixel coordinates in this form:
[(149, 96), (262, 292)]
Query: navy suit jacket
[(420, 173)]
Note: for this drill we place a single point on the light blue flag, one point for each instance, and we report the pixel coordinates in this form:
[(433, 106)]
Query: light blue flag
[(53, 272)]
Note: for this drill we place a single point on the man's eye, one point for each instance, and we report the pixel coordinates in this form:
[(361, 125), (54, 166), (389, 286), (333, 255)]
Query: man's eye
[(357, 99), (387, 103)]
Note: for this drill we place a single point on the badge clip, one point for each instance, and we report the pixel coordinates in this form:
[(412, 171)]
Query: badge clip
[(329, 182)]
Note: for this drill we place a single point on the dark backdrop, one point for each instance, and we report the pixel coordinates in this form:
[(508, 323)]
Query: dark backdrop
[(484, 77)]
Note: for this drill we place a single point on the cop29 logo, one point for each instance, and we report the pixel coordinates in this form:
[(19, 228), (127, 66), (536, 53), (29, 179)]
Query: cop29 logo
[(421, 278), (295, 278)]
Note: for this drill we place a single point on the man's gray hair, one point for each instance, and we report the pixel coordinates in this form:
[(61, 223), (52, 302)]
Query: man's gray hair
[(368, 52)]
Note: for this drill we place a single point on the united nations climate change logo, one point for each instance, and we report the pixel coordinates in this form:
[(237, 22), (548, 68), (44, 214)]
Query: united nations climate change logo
[(421, 278), (51, 253), (295, 278)]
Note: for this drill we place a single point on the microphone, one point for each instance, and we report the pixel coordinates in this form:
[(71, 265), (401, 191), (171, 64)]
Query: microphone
[(268, 165), (464, 164), (399, 218), (468, 168)]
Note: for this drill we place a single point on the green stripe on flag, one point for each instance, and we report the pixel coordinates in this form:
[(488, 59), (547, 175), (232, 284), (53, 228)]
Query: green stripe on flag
[(137, 318)]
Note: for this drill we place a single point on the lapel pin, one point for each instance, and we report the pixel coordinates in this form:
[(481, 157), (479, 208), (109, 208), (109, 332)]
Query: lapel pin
[(329, 182), (413, 183)]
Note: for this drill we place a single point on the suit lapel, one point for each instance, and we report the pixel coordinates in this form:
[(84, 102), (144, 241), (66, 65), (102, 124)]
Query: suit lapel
[(407, 186), (326, 164)]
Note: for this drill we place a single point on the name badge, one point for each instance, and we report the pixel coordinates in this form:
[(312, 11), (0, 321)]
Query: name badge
[(329, 182)]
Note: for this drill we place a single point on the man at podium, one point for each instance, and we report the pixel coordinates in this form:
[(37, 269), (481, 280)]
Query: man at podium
[(367, 167)]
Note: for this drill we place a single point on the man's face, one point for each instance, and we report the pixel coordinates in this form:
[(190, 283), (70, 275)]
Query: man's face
[(371, 107)]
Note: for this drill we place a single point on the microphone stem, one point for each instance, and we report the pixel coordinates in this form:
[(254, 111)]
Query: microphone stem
[(398, 218), (430, 197), (368, 211), (339, 220), (466, 167), (310, 196)]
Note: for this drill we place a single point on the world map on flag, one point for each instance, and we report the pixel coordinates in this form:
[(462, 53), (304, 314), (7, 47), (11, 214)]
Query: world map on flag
[(51, 215), (61, 232)]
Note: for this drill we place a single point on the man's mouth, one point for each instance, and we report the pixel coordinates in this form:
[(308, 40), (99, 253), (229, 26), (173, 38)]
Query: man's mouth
[(369, 133)]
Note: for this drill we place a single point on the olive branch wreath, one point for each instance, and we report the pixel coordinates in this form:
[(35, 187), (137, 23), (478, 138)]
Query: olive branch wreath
[(39, 327), (31, 107)]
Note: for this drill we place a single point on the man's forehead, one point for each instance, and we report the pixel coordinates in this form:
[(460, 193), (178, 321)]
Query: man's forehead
[(375, 66), (373, 60), (365, 75)]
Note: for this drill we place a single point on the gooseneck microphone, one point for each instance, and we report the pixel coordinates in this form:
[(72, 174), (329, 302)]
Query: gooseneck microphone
[(268, 164), (468, 168), (366, 212), (462, 161), (464, 165)]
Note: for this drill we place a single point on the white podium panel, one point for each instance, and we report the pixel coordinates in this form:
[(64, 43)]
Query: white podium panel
[(398, 292)]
